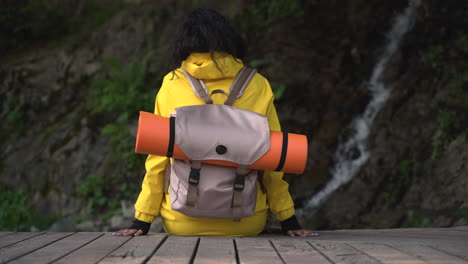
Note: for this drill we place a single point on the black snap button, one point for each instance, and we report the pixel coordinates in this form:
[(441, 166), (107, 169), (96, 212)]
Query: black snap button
[(220, 149)]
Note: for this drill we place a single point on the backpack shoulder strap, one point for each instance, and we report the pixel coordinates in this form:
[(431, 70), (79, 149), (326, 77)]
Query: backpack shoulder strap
[(240, 83), (198, 87)]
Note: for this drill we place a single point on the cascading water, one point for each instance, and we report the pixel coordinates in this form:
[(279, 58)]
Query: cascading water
[(345, 166)]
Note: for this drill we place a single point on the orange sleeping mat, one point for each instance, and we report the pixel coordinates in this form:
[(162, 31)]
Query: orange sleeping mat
[(154, 132)]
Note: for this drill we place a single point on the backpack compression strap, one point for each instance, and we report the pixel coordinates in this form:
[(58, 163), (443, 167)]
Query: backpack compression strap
[(194, 179), (239, 184)]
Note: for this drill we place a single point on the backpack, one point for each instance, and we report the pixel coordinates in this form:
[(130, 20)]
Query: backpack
[(217, 132)]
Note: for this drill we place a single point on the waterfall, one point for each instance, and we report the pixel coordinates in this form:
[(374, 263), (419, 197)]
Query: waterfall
[(346, 166)]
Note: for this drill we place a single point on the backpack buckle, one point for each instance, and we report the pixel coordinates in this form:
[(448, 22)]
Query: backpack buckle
[(239, 182), (194, 176)]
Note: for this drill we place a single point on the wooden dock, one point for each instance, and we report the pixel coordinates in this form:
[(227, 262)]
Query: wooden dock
[(396, 246)]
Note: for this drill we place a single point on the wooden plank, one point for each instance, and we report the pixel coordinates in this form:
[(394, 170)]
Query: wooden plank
[(382, 237), (137, 250), (425, 229), (5, 233), (58, 249), (428, 232), (96, 250), (295, 250), (460, 228), (386, 254), (429, 254), (456, 249), (24, 247), (176, 249), (214, 250), (17, 237), (256, 250), (341, 253)]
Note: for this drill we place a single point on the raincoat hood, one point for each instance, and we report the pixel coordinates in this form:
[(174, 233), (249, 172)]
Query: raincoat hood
[(202, 66)]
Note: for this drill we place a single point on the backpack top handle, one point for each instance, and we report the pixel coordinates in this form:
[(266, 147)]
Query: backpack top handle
[(235, 91)]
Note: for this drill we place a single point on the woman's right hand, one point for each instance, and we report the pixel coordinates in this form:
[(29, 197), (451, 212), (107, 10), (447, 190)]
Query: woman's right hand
[(128, 232)]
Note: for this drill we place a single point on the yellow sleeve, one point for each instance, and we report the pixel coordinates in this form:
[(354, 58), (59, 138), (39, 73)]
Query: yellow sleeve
[(279, 199), (149, 201)]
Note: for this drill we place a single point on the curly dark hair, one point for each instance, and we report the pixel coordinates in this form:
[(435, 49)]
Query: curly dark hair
[(204, 30)]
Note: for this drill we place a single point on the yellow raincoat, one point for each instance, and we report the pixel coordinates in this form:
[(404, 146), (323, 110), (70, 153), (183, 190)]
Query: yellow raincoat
[(176, 92)]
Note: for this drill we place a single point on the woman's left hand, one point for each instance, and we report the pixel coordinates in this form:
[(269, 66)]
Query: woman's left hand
[(302, 232)]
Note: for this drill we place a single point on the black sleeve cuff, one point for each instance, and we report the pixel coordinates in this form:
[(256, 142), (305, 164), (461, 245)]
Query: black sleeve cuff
[(290, 224), (137, 224)]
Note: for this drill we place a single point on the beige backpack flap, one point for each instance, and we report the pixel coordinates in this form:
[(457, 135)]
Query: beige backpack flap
[(239, 84), (198, 87)]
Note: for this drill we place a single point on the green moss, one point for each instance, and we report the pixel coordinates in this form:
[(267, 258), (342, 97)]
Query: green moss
[(463, 212), (278, 89), (446, 124), (96, 193), (406, 167), (435, 55), (124, 90), (414, 219), (462, 42), (17, 213), (119, 95), (28, 24), (438, 146), (446, 120), (12, 122), (455, 86), (258, 63), (122, 94), (262, 14)]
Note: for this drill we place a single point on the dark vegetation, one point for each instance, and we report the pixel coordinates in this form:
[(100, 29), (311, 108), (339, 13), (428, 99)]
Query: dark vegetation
[(317, 55)]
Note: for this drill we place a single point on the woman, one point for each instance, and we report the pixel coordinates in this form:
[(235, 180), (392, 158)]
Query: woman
[(209, 49)]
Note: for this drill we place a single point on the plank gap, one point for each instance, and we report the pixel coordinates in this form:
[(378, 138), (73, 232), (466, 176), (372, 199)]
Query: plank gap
[(94, 251), (364, 253), (236, 252), (61, 257), (194, 254), (176, 249), (115, 249), (277, 252), (21, 240), (156, 249), (43, 246), (321, 253), (446, 252), (6, 234), (405, 252), (24, 248)]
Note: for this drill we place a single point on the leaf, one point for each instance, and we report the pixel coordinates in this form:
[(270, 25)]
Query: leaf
[(258, 63), (278, 90)]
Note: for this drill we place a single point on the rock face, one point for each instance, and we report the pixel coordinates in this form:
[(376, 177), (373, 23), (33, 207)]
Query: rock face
[(412, 177), (52, 138), (416, 174)]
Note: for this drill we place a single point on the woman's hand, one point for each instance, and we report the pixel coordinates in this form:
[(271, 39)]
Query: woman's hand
[(301, 232), (137, 228), (128, 232)]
